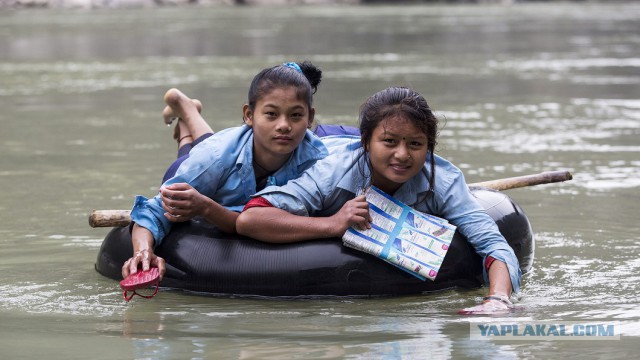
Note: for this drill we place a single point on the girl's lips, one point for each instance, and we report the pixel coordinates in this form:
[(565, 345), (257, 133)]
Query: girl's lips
[(282, 139), (400, 168)]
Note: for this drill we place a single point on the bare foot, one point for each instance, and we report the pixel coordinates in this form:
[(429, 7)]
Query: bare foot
[(169, 116), (188, 111)]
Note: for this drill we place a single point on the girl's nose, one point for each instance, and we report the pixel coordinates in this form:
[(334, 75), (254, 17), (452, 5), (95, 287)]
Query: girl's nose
[(284, 125), (402, 153)]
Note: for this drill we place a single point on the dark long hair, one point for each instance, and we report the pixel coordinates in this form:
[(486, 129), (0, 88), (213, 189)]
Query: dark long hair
[(404, 103), (305, 81)]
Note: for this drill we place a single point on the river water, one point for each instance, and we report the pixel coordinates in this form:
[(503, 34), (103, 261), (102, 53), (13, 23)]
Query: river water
[(520, 90)]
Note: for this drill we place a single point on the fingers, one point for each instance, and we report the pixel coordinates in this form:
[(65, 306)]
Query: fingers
[(177, 210), (170, 205), (359, 213), (125, 269), (176, 187), (355, 213), (175, 213), (160, 264), (177, 195), (140, 259), (361, 219), (181, 202), (143, 260), (130, 267), (487, 307), (177, 218)]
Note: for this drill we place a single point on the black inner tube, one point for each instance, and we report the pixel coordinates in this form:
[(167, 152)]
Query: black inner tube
[(200, 258)]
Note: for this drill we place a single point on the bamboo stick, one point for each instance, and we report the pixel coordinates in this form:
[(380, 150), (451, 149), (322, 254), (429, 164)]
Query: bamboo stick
[(525, 180), (120, 218)]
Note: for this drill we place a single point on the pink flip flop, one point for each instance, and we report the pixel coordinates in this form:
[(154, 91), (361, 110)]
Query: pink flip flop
[(140, 280)]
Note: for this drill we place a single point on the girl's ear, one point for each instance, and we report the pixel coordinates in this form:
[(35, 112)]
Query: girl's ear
[(366, 144), (247, 115), (312, 114)]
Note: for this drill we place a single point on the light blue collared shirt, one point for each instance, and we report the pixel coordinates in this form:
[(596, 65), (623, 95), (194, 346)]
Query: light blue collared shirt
[(221, 167), (325, 187)]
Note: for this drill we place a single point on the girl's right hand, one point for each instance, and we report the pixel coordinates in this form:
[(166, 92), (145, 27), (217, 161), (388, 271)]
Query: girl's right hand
[(182, 202), (354, 213), (143, 259)]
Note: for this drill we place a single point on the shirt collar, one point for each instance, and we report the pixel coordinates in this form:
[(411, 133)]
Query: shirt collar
[(247, 148), (357, 175), (310, 149), (414, 189)]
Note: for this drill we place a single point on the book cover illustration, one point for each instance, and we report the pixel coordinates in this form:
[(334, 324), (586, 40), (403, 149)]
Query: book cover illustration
[(411, 240)]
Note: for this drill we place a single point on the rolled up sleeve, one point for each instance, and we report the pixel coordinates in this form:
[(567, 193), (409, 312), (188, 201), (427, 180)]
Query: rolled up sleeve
[(201, 170), (301, 196), (149, 214)]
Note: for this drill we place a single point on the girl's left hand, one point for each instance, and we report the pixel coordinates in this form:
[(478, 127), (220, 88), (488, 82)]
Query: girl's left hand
[(182, 202), (354, 212), (488, 307)]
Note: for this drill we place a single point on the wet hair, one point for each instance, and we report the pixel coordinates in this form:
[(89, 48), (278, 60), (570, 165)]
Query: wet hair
[(400, 103), (305, 81)]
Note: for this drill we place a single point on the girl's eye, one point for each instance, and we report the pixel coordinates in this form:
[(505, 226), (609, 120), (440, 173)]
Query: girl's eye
[(417, 144), (389, 141), (297, 116), (270, 114)]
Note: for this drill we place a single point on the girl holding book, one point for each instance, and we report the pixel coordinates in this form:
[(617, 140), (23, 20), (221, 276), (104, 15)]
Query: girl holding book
[(395, 154)]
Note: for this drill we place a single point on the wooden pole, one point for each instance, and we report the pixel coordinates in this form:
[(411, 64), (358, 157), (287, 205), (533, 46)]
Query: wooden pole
[(119, 218), (109, 218), (525, 180)]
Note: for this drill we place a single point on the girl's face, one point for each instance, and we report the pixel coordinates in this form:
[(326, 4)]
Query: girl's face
[(398, 151), (279, 121)]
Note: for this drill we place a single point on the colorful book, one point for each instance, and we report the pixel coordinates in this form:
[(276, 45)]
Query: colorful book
[(404, 237)]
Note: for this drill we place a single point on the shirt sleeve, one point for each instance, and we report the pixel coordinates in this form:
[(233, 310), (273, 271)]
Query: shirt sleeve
[(201, 170), (460, 207), (305, 195)]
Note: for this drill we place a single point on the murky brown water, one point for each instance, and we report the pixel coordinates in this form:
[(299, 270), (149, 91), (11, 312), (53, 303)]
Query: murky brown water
[(523, 89)]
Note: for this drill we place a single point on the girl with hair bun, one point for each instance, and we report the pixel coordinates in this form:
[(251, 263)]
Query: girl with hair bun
[(217, 173)]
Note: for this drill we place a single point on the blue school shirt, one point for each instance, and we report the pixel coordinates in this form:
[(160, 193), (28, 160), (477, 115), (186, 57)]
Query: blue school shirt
[(221, 167), (325, 187)]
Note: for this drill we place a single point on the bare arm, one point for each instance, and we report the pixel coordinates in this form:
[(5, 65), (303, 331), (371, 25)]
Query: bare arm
[(499, 291), (274, 225), (499, 280)]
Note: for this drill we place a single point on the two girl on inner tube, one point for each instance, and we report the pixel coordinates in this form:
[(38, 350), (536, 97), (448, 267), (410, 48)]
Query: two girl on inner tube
[(395, 153)]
